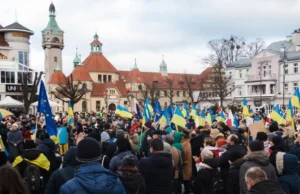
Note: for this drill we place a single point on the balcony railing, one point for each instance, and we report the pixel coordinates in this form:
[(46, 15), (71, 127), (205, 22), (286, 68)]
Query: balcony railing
[(258, 77)]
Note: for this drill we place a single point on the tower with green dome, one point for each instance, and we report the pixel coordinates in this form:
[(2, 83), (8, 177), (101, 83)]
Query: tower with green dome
[(77, 59), (53, 43)]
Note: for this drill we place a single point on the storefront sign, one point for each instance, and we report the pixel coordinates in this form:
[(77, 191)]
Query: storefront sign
[(15, 88)]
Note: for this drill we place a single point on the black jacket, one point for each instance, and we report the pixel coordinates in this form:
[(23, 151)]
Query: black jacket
[(266, 187), (232, 181), (132, 180), (197, 142), (63, 175), (157, 171), (231, 150), (47, 147), (208, 169)]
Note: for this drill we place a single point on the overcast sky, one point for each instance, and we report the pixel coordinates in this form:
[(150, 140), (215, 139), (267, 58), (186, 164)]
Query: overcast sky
[(148, 29)]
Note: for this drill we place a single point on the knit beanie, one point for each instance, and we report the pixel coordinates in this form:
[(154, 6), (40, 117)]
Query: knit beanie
[(104, 136), (89, 150), (120, 133), (95, 136), (262, 136), (277, 140), (256, 146), (129, 160), (221, 142), (168, 130), (206, 154)]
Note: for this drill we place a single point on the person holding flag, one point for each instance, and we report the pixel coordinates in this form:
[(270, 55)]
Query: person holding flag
[(157, 110)]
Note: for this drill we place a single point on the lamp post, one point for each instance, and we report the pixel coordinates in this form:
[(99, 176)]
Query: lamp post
[(283, 81), (105, 99)]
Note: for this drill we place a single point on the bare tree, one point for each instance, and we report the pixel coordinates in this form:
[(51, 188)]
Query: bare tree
[(29, 90), (253, 48), (150, 91), (73, 91), (170, 89)]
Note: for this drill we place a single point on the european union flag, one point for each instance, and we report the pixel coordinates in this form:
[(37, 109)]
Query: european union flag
[(157, 110), (44, 107), (138, 111)]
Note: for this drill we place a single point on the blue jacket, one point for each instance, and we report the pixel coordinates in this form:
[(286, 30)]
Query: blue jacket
[(116, 161), (290, 180), (92, 178)]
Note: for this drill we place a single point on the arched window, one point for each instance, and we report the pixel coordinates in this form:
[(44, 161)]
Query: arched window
[(84, 109), (55, 39)]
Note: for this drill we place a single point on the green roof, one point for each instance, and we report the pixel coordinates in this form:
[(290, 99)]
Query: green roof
[(53, 26)]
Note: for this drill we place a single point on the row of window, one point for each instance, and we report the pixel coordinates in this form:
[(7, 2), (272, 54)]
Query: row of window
[(286, 69), (286, 87), (177, 93), (104, 78), (9, 77)]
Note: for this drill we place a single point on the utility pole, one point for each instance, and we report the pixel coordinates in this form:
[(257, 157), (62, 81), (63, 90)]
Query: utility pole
[(283, 86)]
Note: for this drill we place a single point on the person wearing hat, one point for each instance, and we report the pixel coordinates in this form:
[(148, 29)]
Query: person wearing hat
[(256, 157), (128, 173), (134, 125), (157, 169), (90, 177)]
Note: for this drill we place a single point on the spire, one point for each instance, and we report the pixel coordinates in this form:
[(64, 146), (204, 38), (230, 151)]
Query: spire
[(76, 60), (163, 68), (96, 45), (52, 9), (135, 65)]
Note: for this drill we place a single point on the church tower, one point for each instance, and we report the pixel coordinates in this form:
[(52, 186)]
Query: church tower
[(53, 43), (163, 68)]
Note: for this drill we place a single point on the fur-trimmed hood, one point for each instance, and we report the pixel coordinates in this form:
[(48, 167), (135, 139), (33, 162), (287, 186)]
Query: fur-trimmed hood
[(260, 157)]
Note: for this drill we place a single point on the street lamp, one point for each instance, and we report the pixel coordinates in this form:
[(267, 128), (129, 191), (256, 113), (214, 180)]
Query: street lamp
[(283, 86)]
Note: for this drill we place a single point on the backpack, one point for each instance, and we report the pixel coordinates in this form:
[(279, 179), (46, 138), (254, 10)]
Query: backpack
[(33, 178), (217, 185)]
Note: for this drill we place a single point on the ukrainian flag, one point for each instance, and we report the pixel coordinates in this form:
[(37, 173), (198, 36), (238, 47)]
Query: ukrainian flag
[(146, 115), (123, 112), (275, 115), (221, 117), (70, 115), (185, 111), (201, 118), (290, 115), (209, 117), (164, 119), (245, 109), (296, 99), (148, 104), (178, 118), (44, 107), (194, 112), (2, 147)]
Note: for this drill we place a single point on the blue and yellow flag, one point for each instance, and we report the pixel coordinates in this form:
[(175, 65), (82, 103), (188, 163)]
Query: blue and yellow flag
[(123, 112), (146, 115), (276, 115), (70, 115), (221, 117), (2, 147), (236, 121), (164, 119), (290, 115), (201, 118), (170, 111), (185, 111), (194, 112), (245, 109), (157, 110), (296, 99), (178, 119), (138, 111), (44, 107), (209, 117), (149, 107)]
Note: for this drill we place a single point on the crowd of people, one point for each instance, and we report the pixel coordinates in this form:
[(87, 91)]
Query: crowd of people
[(110, 154)]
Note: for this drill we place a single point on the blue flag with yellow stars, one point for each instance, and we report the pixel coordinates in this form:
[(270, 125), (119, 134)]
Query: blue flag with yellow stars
[(44, 107)]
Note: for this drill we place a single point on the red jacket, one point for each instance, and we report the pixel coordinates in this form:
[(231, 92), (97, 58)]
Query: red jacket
[(133, 127), (26, 133)]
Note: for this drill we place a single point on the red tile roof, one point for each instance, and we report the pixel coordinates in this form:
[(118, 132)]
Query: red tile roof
[(100, 88), (57, 77), (81, 74), (96, 42), (96, 62)]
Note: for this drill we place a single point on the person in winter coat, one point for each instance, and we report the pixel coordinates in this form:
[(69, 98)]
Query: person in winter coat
[(208, 168), (91, 177), (129, 175), (134, 141), (14, 139), (276, 145), (143, 141), (258, 183), (287, 166), (157, 169), (177, 141), (123, 149), (236, 160), (296, 147), (256, 157), (232, 148), (134, 125), (198, 141), (288, 139), (63, 175), (187, 160)]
